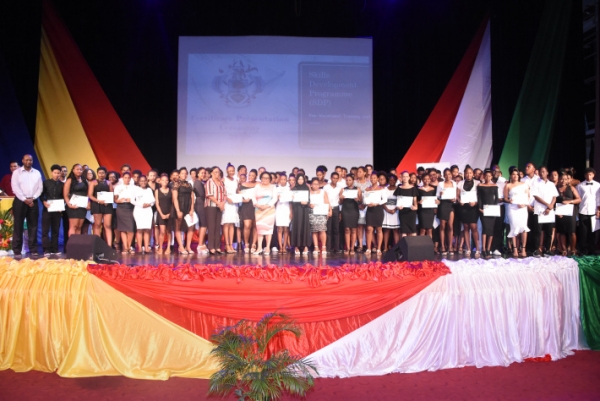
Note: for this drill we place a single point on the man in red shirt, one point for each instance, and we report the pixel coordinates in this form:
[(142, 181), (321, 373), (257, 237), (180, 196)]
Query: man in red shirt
[(5, 183)]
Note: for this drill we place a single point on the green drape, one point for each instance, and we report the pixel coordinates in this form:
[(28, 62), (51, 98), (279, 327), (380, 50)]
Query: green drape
[(589, 289), (530, 132)]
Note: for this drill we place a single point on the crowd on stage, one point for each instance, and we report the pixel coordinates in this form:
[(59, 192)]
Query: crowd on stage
[(476, 212)]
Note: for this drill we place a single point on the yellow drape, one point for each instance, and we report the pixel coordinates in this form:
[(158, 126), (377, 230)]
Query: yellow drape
[(59, 135), (54, 316)]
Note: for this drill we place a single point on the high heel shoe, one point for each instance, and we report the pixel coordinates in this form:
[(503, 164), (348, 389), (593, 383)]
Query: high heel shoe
[(257, 252), (182, 251)]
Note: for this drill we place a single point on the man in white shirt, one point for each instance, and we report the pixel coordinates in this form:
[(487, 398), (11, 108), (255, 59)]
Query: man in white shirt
[(332, 189), (26, 183), (499, 225), (533, 238), (589, 212), (544, 194)]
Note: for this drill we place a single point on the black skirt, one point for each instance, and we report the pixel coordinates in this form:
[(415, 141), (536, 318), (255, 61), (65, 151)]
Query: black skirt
[(444, 209), (78, 213), (565, 225), (350, 213), (468, 214), (426, 216), (374, 216), (408, 221), (97, 208), (246, 211), (487, 224)]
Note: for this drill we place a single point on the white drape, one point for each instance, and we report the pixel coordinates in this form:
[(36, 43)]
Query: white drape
[(470, 140), (486, 313)]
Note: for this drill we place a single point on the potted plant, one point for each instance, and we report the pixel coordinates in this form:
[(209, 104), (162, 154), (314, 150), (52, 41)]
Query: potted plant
[(249, 370), (6, 232)]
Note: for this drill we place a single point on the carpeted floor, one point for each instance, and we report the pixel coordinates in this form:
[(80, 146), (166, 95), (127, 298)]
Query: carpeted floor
[(572, 378)]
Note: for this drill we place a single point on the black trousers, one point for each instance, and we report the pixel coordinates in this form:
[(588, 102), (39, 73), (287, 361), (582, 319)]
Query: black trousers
[(498, 239), (587, 238), (546, 228), (50, 225), (533, 239), (213, 223), (65, 228), (21, 212), (333, 230)]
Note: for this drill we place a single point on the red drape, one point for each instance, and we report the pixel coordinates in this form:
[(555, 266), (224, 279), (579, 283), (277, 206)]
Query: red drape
[(429, 145), (328, 302), (105, 131)]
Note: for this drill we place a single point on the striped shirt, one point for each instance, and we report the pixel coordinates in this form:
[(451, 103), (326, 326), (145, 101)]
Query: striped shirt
[(216, 190)]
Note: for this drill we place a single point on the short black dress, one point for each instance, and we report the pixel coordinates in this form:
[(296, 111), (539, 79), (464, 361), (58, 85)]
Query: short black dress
[(165, 202), (184, 201), (468, 214), (96, 208), (408, 217), (350, 212), (487, 196), (374, 217), (446, 206), (246, 211), (78, 188), (426, 215), (565, 225)]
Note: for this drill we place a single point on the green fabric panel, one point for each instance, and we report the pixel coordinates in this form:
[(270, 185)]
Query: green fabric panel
[(589, 289), (530, 131)]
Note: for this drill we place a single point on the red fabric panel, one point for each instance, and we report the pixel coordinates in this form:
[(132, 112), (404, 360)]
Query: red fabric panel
[(327, 302), (429, 145), (107, 135)]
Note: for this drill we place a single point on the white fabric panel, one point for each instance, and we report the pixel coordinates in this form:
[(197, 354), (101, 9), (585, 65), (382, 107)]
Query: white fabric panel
[(470, 140), (486, 313)]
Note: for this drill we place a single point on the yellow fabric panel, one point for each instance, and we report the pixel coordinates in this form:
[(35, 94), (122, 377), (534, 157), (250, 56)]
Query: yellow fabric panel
[(59, 135), (54, 316)]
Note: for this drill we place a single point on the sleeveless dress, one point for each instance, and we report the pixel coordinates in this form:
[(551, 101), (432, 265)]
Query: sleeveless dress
[(375, 215), (230, 214), (246, 211), (350, 212), (165, 201), (282, 210), (468, 214), (96, 208), (184, 200), (566, 225), (81, 189), (391, 221), (318, 223), (426, 215), (446, 205), (517, 216), (408, 217)]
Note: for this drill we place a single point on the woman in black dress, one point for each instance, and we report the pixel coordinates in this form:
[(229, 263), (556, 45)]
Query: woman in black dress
[(183, 203), (487, 194), (301, 234), (124, 193), (76, 184), (426, 215), (101, 210), (247, 211), (469, 212), (374, 218), (446, 211), (349, 213), (408, 215), (163, 199), (200, 199), (566, 225)]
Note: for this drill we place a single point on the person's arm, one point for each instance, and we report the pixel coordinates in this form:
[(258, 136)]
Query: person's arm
[(577, 199), (44, 195), (91, 192), (16, 186), (174, 193), (39, 186), (191, 213), (506, 192), (326, 200), (158, 209), (66, 194)]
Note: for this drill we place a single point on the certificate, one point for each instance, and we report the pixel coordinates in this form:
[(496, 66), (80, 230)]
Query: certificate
[(449, 194), (520, 199), (468, 196), (317, 199), (79, 201), (191, 220), (564, 210), (404, 201), (56, 205), (248, 193), (106, 197), (543, 218), (491, 210), (236, 198), (321, 209), (429, 202), (350, 193), (300, 196), (370, 197), (286, 196)]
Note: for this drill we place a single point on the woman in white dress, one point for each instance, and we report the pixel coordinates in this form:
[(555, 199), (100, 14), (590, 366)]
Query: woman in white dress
[(391, 222), (283, 213), (516, 197), (231, 217), (142, 214)]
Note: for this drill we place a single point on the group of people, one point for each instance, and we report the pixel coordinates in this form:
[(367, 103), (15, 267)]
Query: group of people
[(479, 212)]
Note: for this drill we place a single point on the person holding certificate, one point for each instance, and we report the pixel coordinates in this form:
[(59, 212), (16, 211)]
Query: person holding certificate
[(163, 199), (301, 235), (75, 194), (469, 211), (52, 198), (407, 209), (142, 213), (283, 211), (544, 193), (487, 200), (566, 224), (124, 194), (264, 212), (446, 192), (375, 197), (350, 197), (516, 196), (231, 217), (183, 202), (363, 183), (391, 221), (246, 211), (319, 211), (427, 206), (101, 196)]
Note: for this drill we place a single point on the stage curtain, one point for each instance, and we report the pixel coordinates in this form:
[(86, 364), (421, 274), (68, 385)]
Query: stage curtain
[(54, 316), (328, 302), (486, 313), (589, 276), (105, 131), (530, 134), (59, 136), (429, 144)]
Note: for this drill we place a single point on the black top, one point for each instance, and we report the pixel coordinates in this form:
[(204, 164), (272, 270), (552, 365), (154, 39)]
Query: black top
[(487, 196), (567, 194), (101, 186), (407, 192), (199, 192), (79, 188), (52, 189)]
